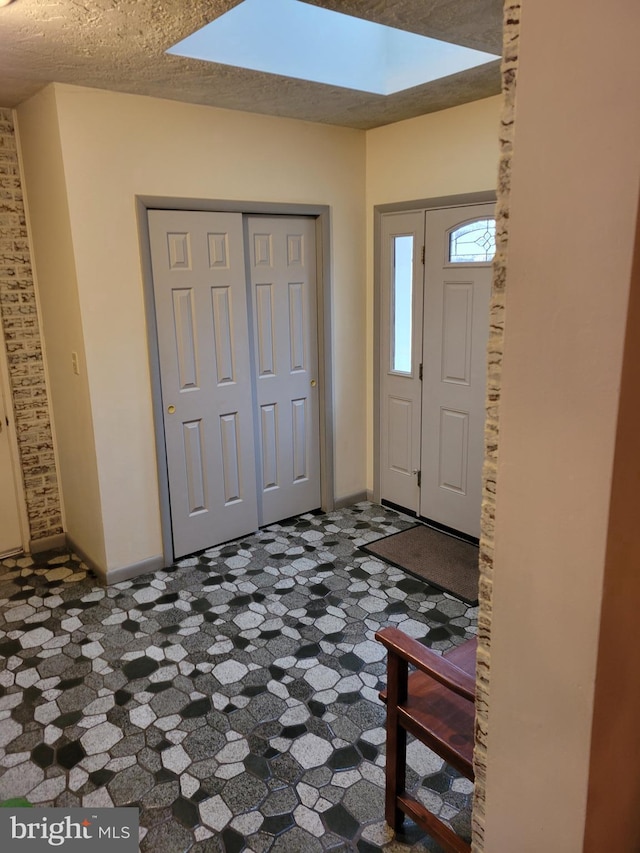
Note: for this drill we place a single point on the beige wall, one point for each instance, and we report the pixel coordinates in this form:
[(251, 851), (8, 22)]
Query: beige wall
[(446, 153), (443, 153), (113, 147), (574, 193), (55, 272)]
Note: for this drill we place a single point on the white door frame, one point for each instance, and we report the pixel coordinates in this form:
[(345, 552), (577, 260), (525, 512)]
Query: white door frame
[(321, 213), (461, 201), (16, 464)]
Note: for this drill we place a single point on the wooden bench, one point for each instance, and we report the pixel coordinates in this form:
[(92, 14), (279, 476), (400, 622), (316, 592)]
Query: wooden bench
[(436, 705)]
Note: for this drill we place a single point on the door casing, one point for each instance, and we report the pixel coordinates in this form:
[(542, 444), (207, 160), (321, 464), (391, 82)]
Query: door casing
[(457, 201), (321, 214)]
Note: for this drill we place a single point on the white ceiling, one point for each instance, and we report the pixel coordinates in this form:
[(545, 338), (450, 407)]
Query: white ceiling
[(120, 45)]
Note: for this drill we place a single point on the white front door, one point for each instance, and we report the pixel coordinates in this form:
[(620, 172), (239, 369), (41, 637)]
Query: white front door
[(203, 341), (282, 255), (433, 393), (238, 375), (10, 536), (456, 324)]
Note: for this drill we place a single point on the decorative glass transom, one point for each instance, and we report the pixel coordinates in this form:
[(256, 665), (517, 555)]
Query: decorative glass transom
[(473, 243)]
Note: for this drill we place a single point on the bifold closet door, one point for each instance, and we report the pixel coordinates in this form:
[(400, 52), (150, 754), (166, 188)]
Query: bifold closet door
[(282, 253), (203, 339)]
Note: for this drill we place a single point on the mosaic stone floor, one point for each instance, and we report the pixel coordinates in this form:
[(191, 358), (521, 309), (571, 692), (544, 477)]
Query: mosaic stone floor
[(233, 698)]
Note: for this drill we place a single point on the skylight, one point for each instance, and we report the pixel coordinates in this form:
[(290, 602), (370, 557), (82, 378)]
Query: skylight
[(295, 39)]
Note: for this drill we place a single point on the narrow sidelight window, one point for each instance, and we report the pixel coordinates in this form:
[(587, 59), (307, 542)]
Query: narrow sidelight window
[(402, 298)]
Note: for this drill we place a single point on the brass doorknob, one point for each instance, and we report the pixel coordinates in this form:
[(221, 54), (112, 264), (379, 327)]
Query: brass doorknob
[(171, 409), (313, 383)]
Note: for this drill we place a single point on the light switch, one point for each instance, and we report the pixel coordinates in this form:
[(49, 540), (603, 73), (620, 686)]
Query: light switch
[(74, 363)]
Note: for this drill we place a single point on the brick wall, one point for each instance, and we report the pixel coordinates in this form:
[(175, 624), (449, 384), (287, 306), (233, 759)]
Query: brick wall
[(19, 317), (494, 358)]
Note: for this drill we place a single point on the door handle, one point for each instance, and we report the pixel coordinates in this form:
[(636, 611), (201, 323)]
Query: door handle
[(313, 383), (171, 409)]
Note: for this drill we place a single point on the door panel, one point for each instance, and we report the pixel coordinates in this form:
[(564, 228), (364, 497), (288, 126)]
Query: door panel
[(183, 322), (400, 439), (299, 440), (203, 341), (283, 285), (264, 329), (456, 330), (454, 447), (269, 446), (401, 354), (457, 315), (223, 333), (296, 326), (194, 464)]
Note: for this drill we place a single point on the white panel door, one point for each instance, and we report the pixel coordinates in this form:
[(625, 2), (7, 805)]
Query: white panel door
[(10, 538), (400, 357), (456, 329), (282, 262), (203, 341)]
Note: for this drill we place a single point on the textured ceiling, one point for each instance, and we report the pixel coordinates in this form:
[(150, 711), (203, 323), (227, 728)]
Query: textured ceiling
[(120, 45)]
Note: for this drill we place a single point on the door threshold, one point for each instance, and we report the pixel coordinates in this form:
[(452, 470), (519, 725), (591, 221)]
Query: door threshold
[(449, 531), (398, 508), (434, 525)]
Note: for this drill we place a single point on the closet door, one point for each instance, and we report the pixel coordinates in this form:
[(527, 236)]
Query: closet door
[(203, 341), (282, 262)]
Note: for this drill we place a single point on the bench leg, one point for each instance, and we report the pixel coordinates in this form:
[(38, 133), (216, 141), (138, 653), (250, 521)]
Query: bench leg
[(396, 764)]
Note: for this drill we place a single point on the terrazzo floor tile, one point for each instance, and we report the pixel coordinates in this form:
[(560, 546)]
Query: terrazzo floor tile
[(232, 698)]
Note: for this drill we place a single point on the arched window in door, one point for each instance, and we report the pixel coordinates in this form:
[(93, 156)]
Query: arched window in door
[(472, 242)]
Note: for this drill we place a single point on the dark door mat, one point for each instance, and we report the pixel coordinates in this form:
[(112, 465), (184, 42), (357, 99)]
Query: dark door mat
[(437, 558)]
